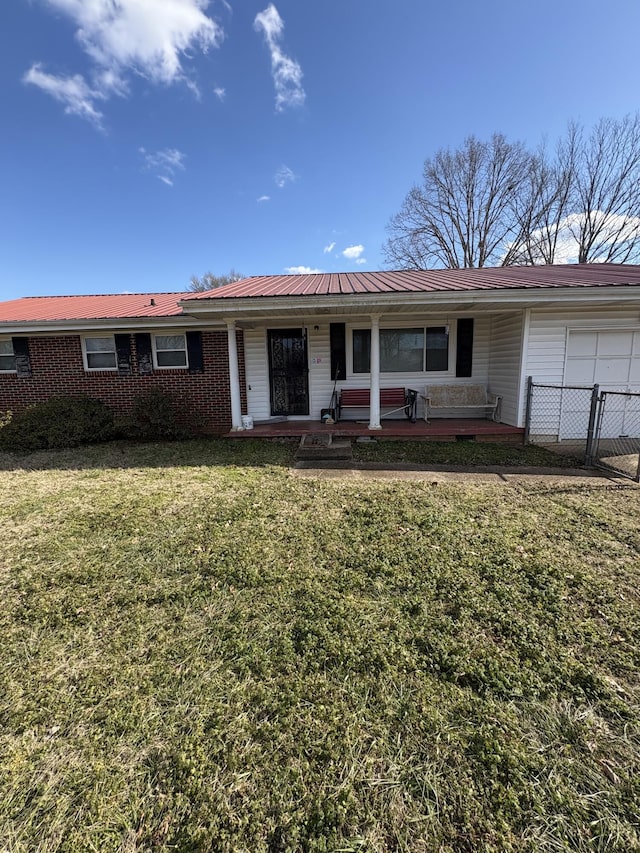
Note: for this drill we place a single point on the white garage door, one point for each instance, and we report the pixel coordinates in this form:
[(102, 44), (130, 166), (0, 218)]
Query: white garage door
[(610, 359)]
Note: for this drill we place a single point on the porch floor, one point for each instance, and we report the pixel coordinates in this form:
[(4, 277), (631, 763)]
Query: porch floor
[(443, 429)]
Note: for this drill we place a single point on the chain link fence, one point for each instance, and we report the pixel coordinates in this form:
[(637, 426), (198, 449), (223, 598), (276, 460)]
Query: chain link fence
[(561, 417), (597, 427), (616, 445)]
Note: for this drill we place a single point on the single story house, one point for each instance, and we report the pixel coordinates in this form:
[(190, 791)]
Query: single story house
[(274, 346)]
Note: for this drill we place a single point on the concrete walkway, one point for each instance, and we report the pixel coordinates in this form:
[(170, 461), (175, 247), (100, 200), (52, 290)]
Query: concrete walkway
[(434, 474)]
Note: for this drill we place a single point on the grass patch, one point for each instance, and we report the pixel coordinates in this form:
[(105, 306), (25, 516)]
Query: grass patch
[(201, 652), (463, 453)]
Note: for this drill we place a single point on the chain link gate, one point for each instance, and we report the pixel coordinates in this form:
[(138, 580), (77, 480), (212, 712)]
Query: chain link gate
[(616, 444), (562, 418)]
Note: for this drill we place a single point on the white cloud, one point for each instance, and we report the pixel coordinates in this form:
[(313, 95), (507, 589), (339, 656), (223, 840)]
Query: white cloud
[(353, 252), (220, 93), (264, 198), (145, 37), (78, 98), (164, 163), (360, 261), (287, 73), (284, 176), (302, 270), (329, 248)]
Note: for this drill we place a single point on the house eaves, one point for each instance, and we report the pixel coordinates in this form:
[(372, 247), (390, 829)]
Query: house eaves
[(49, 327), (257, 307)]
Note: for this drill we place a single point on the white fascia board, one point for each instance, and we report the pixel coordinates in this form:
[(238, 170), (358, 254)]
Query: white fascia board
[(363, 303), (140, 324)]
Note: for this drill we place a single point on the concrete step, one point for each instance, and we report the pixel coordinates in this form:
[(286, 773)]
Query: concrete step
[(323, 446)]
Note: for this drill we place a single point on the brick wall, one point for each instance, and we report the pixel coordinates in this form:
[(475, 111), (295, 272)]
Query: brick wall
[(203, 400)]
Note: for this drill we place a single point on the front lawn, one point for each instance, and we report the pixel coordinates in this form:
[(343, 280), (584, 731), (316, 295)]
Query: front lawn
[(201, 652), (468, 454)]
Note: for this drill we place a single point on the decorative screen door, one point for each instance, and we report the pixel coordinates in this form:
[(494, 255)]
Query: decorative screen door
[(288, 372)]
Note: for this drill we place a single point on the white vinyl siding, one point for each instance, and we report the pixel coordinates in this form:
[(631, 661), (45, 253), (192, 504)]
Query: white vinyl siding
[(504, 363)]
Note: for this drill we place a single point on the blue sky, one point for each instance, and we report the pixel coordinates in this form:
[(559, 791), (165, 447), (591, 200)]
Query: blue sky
[(171, 137)]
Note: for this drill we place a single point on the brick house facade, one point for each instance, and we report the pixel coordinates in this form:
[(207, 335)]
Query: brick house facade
[(57, 368), (280, 347)]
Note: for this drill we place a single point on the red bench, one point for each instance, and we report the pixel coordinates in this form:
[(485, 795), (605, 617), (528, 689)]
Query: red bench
[(392, 400)]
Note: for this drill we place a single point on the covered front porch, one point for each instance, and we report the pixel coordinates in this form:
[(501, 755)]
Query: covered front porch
[(445, 429), (291, 359), (295, 371)]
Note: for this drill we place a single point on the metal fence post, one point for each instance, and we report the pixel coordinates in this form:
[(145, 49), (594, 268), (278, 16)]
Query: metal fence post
[(588, 453), (527, 414)]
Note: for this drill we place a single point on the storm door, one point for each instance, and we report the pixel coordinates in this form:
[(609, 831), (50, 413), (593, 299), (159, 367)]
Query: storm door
[(288, 372)]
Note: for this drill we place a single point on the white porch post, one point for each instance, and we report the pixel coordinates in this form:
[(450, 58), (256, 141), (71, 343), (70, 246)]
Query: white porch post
[(234, 377), (374, 392)]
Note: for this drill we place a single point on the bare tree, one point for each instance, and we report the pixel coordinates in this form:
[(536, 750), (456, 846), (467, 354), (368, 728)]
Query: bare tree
[(209, 281), (606, 216), (497, 203), (464, 212), (544, 205)]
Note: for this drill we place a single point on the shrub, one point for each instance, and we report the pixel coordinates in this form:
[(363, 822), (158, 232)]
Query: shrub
[(154, 416), (58, 422)]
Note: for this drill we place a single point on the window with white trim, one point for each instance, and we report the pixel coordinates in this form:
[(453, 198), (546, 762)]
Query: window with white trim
[(7, 356), (414, 350), (170, 351), (99, 352)]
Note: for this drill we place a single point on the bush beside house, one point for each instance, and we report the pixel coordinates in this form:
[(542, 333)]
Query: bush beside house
[(71, 421), (58, 422)]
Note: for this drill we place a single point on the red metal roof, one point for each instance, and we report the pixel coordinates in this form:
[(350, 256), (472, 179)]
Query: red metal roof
[(108, 307), (150, 305), (425, 281)]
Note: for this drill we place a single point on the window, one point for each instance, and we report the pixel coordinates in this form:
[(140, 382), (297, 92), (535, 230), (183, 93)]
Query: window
[(412, 350), (401, 350), (437, 340), (100, 353), (7, 357), (170, 350), (361, 350)]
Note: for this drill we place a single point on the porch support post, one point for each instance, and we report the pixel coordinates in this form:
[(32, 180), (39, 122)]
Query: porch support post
[(374, 392), (234, 377)]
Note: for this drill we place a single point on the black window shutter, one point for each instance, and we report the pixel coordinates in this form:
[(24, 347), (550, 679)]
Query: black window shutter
[(464, 347), (194, 351), (338, 343), (123, 354), (23, 360), (145, 355)]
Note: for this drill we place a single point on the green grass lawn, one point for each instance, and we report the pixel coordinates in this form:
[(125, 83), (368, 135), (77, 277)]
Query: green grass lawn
[(200, 651), (466, 453)]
